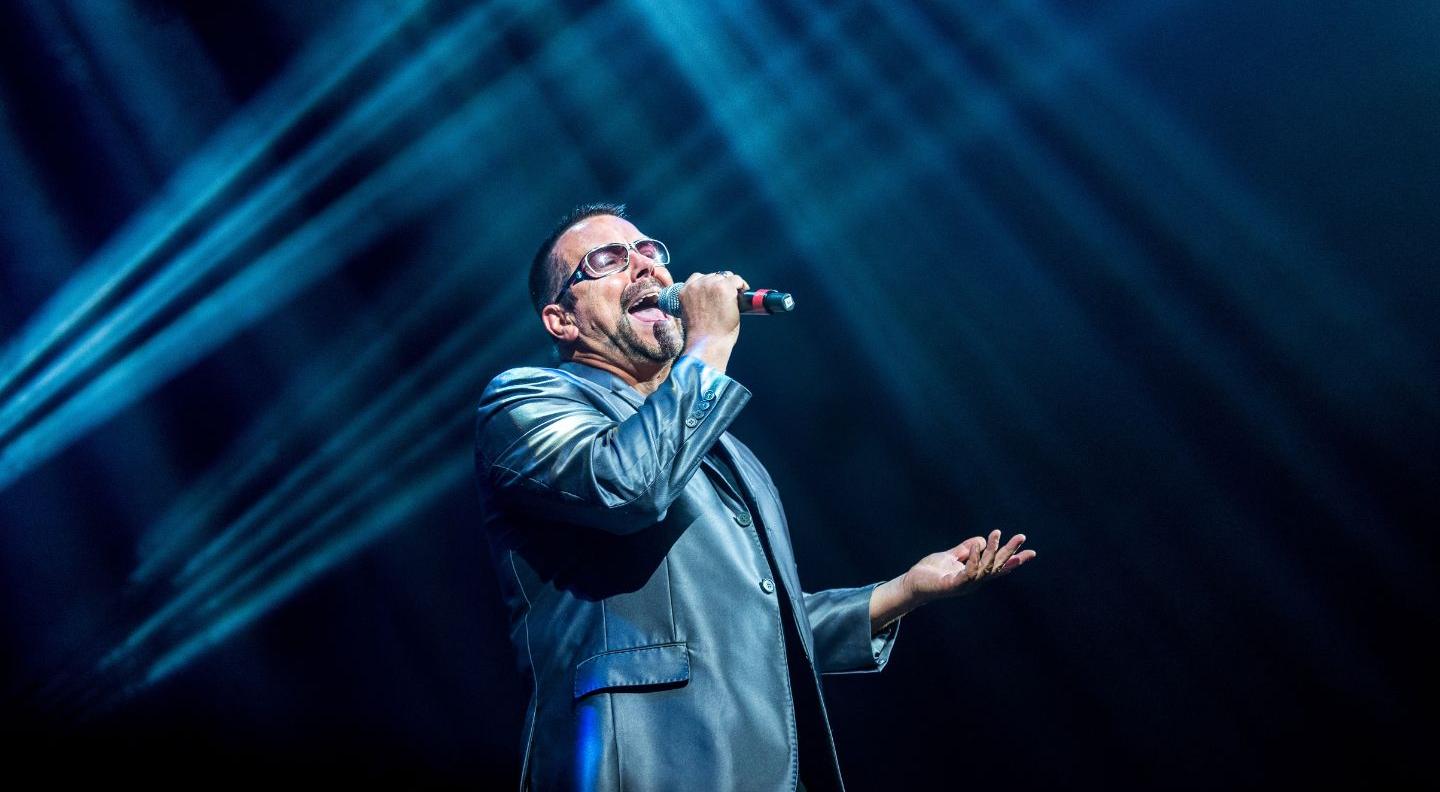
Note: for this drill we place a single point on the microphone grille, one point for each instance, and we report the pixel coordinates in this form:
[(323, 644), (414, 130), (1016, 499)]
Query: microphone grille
[(669, 299)]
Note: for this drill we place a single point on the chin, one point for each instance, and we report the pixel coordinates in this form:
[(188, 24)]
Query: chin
[(653, 342), (671, 338), (661, 354)]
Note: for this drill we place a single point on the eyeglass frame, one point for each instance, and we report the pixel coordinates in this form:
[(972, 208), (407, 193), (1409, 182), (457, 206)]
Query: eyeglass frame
[(579, 273)]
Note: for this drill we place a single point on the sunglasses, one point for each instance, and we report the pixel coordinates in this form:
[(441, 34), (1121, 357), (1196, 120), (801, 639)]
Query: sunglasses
[(610, 259)]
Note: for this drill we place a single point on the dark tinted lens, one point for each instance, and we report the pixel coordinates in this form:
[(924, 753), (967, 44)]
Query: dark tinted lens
[(654, 250), (605, 260)]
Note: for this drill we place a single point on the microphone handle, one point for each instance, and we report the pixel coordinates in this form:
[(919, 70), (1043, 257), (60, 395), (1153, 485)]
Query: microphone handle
[(766, 301)]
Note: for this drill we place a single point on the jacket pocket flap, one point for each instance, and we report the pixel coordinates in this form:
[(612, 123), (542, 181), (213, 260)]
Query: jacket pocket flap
[(661, 664)]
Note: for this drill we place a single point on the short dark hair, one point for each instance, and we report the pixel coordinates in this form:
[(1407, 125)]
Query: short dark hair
[(546, 276)]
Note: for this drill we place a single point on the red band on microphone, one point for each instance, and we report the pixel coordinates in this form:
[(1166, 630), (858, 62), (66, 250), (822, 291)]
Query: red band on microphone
[(757, 300)]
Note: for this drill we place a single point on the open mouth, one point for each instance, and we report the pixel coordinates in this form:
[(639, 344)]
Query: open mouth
[(647, 309)]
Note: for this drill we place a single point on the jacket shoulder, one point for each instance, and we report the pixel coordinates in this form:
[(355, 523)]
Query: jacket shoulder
[(527, 374), (524, 382), (518, 400)]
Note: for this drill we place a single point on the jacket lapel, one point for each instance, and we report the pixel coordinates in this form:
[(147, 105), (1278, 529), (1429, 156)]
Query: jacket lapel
[(618, 398), (623, 400), (770, 515)]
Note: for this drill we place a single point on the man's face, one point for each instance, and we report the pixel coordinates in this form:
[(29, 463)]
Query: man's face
[(607, 326)]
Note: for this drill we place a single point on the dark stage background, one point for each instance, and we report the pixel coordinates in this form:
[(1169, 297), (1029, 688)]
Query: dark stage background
[(1153, 283)]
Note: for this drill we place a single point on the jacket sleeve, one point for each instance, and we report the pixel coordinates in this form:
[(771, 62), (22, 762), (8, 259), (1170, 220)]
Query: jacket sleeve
[(840, 622), (542, 446)]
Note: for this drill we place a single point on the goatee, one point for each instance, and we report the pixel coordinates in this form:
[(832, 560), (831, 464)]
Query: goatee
[(669, 340)]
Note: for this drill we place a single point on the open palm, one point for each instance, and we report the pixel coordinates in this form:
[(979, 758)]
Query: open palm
[(963, 567)]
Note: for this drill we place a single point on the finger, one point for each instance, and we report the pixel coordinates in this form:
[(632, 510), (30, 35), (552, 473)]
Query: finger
[(1017, 559), (992, 546), (1009, 550), (960, 552), (693, 276), (976, 545)]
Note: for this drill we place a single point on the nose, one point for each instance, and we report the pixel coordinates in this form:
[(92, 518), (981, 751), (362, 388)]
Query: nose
[(641, 266)]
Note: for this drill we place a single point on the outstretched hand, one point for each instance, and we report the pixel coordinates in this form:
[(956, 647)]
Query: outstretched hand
[(962, 568)]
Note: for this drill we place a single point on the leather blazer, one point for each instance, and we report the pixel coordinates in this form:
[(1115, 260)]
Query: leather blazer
[(640, 604)]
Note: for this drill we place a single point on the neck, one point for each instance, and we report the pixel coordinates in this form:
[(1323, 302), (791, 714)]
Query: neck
[(644, 376)]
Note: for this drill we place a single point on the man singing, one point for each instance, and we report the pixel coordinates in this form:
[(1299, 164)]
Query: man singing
[(642, 550)]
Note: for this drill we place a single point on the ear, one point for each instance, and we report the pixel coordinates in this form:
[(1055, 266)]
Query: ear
[(559, 323)]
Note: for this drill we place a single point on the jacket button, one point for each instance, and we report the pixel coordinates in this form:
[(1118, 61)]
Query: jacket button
[(767, 585), (691, 422), (743, 518), (710, 394), (705, 405)]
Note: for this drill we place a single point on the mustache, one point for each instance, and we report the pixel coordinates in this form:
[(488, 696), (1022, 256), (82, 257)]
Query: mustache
[(628, 296)]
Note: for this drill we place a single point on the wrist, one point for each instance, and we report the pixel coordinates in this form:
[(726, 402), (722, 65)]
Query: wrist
[(891, 600), (713, 351), (909, 595)]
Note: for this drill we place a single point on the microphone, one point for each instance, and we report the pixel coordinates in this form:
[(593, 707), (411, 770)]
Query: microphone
[(753, 301)]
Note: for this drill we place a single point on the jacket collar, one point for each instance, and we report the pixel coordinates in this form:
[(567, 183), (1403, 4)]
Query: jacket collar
[(725, 447), (606, 380), (626, 391)]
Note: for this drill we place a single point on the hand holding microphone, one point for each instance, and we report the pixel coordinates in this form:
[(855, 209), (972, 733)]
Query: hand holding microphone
[(761, 302), (707, 304), (710, 305)]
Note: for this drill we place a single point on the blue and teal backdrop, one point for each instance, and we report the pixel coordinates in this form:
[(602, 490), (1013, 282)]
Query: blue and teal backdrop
[(1152, 282)]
